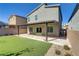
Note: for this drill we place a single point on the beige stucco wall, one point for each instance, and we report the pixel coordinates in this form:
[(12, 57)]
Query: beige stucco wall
[(44, 14), (12, 20), (74, 22), (15, 20), (73, 33), (73, 38), (43, 26)]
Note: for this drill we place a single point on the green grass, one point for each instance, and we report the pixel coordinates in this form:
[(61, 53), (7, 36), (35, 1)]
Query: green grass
[(17, 46)]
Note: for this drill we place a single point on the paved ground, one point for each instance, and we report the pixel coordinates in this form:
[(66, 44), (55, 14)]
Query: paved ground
[(50, 51), (54, 40)]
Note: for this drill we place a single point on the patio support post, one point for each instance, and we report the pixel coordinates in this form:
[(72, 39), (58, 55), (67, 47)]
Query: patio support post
[(46, 31), (18, 29)]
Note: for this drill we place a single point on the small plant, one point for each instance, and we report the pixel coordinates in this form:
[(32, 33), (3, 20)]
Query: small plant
[(58, 52), (66, 47)]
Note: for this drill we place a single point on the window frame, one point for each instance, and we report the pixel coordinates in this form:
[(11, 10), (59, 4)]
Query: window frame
[(38, 29)]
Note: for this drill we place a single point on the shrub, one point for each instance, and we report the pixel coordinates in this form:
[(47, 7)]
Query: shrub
[(58, 52), (66, 47)]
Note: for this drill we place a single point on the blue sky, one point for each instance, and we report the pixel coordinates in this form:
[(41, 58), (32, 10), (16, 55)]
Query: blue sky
[(7, 9)]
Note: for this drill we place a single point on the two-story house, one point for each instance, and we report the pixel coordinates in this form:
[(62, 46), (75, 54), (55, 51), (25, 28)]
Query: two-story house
[(17, 24), (73, 30), (45, 20)]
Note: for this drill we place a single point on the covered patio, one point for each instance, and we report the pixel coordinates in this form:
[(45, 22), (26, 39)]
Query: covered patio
[(44, 29)]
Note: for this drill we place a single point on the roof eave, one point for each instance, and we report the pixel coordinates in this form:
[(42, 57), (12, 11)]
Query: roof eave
[(74, 12), (35, 9)]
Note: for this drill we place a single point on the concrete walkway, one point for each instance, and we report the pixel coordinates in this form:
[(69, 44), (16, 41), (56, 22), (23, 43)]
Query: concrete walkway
[(51, 51)]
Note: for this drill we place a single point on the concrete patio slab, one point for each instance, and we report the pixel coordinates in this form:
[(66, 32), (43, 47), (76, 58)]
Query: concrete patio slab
[(54, 40)]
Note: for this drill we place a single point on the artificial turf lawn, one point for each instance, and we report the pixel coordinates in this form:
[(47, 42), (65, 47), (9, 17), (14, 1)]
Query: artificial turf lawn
[(17, 46)]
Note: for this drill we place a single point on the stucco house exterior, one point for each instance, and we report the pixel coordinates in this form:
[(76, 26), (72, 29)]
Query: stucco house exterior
[(17, 24), (3, 28), (73, 30), (45, 20)]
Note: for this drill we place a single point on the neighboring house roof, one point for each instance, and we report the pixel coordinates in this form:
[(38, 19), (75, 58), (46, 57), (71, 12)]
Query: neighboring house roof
[(18, 16), (47, 6), (74, 12), (2, 23)]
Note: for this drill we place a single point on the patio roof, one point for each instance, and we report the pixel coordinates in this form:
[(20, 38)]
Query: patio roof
[(43, 22)]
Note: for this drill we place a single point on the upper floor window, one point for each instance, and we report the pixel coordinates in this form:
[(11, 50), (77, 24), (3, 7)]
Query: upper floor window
[(28, 18), (36, 17)]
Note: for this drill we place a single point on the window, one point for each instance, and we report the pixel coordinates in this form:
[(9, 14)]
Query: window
[(28, 18), (36, 17), (50, 29), (39, 30)]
